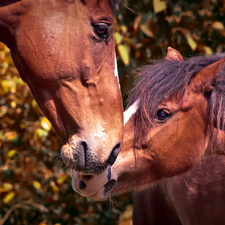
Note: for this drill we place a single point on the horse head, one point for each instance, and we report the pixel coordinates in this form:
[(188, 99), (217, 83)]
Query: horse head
[(64, 51), (175, 115)]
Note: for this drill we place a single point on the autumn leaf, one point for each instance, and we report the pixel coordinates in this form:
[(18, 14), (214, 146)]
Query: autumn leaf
[(123, 29), (192, 43), (8, 86), (137, 22), (118, 37), (217, 25), (6, 187), (36, 184), (10, 136), (8, 198), (124, 52), (146, 27), (159, 5), (44, 222), (55, 189), (46, 124), (11, 153), (40, 133), (62, 179), (126, 217)]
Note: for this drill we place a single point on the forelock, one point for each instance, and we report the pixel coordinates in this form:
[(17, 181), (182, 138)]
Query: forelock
[(163, 80)]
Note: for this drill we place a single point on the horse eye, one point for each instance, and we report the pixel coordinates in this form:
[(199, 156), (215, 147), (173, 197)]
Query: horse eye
[(101, 30), (162, 114)]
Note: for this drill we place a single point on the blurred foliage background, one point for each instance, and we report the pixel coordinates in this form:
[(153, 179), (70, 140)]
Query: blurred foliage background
[(34, 188)]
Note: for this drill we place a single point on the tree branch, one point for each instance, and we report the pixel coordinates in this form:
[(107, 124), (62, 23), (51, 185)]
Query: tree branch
[(23, 204)]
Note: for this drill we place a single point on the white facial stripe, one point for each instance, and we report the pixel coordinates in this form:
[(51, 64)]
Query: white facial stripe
[(116, 71), (130, 111)]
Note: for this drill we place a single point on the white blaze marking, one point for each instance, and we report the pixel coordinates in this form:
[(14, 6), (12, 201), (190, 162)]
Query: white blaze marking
[(116, 71), (130, 111)]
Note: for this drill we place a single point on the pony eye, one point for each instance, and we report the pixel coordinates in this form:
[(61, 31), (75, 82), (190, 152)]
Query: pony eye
[(162, 114), (101, 30)]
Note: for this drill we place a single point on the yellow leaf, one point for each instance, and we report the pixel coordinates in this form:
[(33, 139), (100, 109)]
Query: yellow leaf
[(146, 27), (118, 37), (124, 29), (192, 43), (208, 50), (8, 198), (137, 21), (34, 104), (218, 25), (126, 217), (55, 189), (3, 110), (6, 187), (10, 136), (36, 184), (13, 104), (11, 153), (8, 85), (46, 124), (159, 5), (2, 56), (40, 133), (127, 40), (62, 179), (124, 52)]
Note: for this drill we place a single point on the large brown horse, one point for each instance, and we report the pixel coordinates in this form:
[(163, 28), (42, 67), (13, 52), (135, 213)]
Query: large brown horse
[(175, 115), (64, 51)]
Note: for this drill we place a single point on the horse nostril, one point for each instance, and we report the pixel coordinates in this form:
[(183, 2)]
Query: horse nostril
[(80, 155), (113, 155)]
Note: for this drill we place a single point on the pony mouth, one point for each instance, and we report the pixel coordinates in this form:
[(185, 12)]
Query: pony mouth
[(96, 187), (108, 188), (104, 192)]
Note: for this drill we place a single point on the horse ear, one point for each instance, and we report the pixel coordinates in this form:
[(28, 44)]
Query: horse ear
[(173, 54), (202, 81)]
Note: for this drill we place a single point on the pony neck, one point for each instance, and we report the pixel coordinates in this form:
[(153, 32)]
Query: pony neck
[(216, 143)]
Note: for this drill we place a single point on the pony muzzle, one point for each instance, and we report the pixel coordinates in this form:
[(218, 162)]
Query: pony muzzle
[(96, 187)]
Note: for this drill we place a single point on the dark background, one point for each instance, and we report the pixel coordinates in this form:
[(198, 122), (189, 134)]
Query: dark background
[(34, 188)]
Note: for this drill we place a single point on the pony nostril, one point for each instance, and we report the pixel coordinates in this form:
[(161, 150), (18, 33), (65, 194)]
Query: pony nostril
[(82, 185), (113, 155), (86, 177)]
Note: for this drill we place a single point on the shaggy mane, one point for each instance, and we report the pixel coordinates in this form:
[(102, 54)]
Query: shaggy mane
[(164, 80)]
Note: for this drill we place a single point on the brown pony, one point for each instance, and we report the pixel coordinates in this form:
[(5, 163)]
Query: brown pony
[(64, 51), (175, 115), (193, 198)]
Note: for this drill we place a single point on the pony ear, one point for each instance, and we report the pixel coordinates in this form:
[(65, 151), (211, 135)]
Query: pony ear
[(203, 80), (173, 54)]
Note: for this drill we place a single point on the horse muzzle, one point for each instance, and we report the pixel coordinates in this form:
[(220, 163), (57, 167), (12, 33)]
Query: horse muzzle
[(80, 156)]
